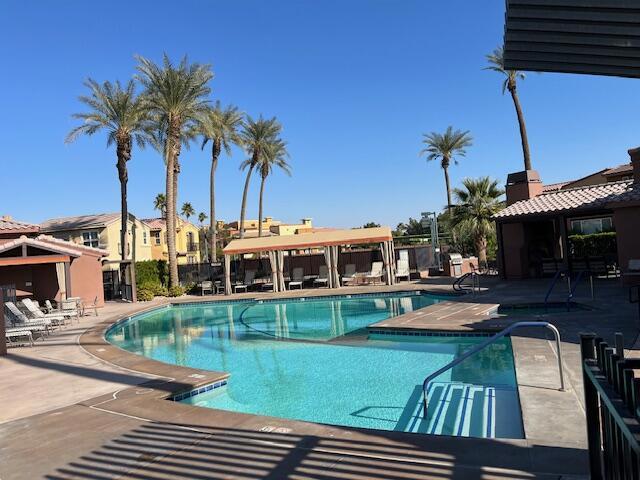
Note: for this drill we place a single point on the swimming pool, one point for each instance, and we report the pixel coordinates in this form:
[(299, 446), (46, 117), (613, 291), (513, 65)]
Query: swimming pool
[(311, 359)]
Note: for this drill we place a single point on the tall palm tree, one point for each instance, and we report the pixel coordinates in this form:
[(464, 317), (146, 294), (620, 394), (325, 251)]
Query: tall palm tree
[(275, 156), (160, 203), (220, 126), (117, 110), (445, 147), (187, 210), (257, 136), (202, 217), (476, 205), (177, 95), (496, 63)]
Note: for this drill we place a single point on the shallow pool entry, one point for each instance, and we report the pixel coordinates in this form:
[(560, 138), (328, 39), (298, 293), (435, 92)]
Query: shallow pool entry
[(288, 359)]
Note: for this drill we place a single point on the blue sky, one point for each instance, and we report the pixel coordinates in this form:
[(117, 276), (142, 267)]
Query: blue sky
[(355, 84)]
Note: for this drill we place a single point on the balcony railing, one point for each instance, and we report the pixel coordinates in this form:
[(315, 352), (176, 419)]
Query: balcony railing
[(192, 247)]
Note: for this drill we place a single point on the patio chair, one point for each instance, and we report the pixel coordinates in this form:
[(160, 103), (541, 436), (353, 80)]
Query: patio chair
[(349, 273), (375, 273), (206, 286), (323, 276), (297, 278), (93, 306), (13, 334), (403, 270), (249, 277), (33, 310), (69, 308), (19, 321)]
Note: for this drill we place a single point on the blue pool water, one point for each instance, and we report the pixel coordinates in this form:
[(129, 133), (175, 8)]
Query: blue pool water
[(311, 360)]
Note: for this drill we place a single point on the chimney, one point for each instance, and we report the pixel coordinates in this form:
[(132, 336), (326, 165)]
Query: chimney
[(523, 186), (306, 222), (634, 153)]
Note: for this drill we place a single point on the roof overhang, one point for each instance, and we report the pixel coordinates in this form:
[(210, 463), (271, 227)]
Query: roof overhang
[(309, 240), (598, 37)]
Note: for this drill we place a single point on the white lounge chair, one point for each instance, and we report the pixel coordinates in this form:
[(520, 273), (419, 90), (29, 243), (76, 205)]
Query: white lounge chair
[(403, 270), (13, 334), (349, 273), (206, 286), (249, 277), (323, 276), (34, 310), (375, 273), (16, 320), (297, 278), (70, 308)]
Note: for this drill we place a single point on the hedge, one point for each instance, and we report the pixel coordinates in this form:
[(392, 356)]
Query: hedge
[(152, 273), (594, 244)]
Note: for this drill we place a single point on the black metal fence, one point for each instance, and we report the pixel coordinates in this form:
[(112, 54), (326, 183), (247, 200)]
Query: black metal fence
[(612, 404)]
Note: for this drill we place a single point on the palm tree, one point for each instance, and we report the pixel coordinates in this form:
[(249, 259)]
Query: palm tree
[(275, 156), (476, 205), (177, 96), (202, 217), (160, 203), (496, 63), (257, 136), (187, 210), (220, 126), (445, 147), (117, 110)]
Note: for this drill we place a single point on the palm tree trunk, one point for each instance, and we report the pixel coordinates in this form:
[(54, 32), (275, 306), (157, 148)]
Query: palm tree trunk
[(523, 129), (260, 206), (481, 249), (215, 152), (244, 200), (448, 186), (123, 151), (173, 137)]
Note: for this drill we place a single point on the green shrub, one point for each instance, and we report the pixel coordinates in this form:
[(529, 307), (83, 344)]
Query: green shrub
[(595, 244), (144, 294), (159, 290), (176, 291), (152, 272)]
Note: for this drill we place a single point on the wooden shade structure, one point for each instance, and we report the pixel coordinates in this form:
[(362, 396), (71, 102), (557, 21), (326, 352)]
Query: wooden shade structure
[(330, 241)]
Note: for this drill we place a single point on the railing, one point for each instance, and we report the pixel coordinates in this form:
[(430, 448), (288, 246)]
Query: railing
[(192, 246), (612, 403), (475, 282), (485, 344), (555, 279), (572, 287)]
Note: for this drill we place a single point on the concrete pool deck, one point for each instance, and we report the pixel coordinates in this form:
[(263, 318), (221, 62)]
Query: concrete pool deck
[(104, 427)]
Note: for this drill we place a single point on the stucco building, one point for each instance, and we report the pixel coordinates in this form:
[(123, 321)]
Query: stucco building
[(187, 240)]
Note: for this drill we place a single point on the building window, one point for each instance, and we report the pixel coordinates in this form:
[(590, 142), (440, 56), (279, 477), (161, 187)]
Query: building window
[(144, 237), (587, 226), (191, 259), (90, 239), (156, 237)]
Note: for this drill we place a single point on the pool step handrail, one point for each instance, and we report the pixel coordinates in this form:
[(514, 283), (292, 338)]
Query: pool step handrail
[(574, 285), (552, 285), (475, 282), (486, 343)]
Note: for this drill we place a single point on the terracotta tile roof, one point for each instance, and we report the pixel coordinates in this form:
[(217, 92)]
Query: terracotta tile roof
[(9, 225), (83, 248), (63, 249), (160, 223), (582, 198), (625, 168), (79, 222), (554, 187)]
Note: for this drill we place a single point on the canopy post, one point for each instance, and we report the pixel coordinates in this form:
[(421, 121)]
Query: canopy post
[(227, 275), (333, 273)]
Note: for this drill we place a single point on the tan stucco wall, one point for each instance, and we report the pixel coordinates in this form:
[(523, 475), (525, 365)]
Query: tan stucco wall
[(86, 279), (161, 252), (627, 225), (514, 250)]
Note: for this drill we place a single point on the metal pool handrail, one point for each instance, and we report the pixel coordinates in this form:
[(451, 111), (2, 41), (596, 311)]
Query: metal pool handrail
[(488, 342)]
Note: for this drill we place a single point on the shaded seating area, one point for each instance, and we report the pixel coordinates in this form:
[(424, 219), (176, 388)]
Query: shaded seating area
[(330, 243)]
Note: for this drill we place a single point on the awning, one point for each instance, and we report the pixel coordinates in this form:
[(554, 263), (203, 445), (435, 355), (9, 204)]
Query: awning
[(309, 240)]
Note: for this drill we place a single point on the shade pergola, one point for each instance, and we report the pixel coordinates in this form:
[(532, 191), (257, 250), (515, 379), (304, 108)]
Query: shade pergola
[(329, 240)]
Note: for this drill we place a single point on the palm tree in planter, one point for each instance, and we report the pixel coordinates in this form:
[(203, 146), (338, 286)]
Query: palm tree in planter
[(257, 136), (496, 63), (118, 111), (220, 126), (187, 210), (275, 156), (175, 95), (445, 147), (476, 204), (160, 204)]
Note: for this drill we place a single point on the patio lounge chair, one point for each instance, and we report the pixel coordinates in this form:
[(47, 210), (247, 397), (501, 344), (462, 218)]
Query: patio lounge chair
[(297, 278), (403, 270), (206, 286), (249, 276), (323, 276), (13, 334), (16, 320), (375, 273), (70, 308), (349, 274), (33, 310)]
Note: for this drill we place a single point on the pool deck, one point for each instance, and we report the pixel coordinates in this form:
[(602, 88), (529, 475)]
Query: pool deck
[(77, 407)]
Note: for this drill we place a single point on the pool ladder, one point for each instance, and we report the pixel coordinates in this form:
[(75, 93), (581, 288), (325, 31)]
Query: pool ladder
[(486, 343), (475, 282), (572, 288)]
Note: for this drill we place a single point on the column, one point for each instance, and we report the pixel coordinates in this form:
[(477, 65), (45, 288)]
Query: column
[(227, 275)]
